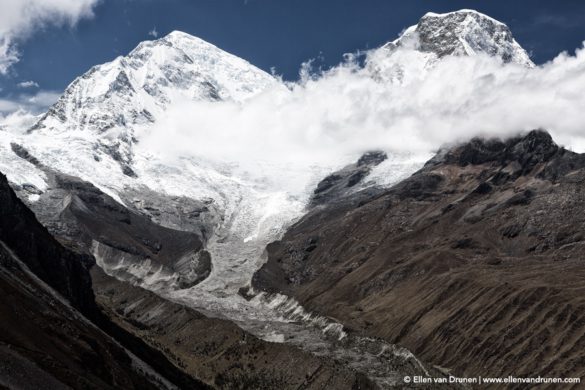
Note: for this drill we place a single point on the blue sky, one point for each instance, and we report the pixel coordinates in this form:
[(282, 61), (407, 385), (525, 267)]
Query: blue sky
[(269, 33)]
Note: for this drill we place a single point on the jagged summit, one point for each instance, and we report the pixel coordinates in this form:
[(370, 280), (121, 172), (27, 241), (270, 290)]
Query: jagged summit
[(536, 146), (517, 156), (436, 36), (110, 105), (135, 89), (177, 34), (464, 32), (464, 11)]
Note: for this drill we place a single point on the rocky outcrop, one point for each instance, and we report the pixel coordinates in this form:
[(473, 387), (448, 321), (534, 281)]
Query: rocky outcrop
[(46, 338), (63, 270), (463, 32), (44, 343), (345, 181), (527, 151), (216, 350), (474, 263), (88, 220)]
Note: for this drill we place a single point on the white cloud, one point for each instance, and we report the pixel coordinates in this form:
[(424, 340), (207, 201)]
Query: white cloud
[(20, 18), (331, 117), (153, 33), (28, 84), (33, 103), (17, 121), (8, 54), (7, 105), (43, 99)]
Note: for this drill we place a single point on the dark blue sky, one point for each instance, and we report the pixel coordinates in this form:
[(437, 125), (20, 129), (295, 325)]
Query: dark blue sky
[(275, 33)]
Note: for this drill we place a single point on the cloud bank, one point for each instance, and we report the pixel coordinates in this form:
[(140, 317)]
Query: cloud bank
[(33, 103), (406, 107), (20, 18)]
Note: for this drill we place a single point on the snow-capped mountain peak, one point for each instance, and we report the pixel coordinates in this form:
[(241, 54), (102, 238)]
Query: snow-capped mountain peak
[(111, 104), (464, 32), (135, 89), (459, 33)]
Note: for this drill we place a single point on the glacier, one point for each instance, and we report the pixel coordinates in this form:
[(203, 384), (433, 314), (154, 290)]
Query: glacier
[(101, 131)]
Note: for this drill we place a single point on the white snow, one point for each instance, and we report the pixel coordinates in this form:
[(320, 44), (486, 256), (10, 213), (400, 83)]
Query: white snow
[(16, 169), (134, 90), (459, 33), (395, 168), (464, 11)]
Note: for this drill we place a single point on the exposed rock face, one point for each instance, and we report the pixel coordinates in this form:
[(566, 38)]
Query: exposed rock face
[(528, 151), (223, 355), (85, 218), (464, 32), (45, 341), (65, 271), (344, 181), (474, 263), (98, 220)]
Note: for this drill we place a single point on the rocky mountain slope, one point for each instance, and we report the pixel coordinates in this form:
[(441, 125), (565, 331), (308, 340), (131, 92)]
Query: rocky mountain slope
[(85, 219), (474, 263), (136, 250), (63, 270), (438, 36), (464, 32), (55, 333), (47, 340), (217, 351)]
